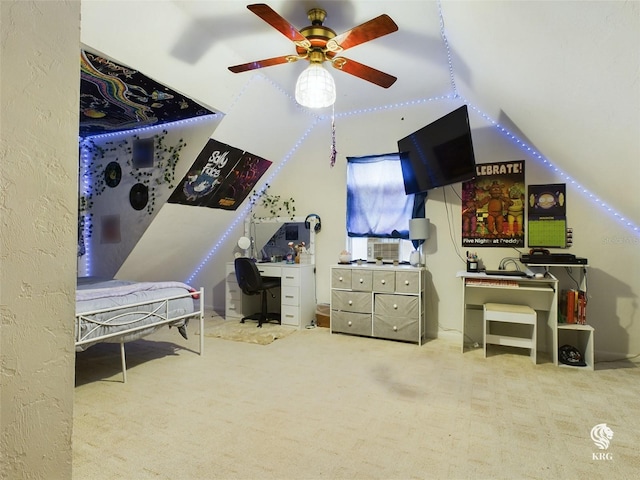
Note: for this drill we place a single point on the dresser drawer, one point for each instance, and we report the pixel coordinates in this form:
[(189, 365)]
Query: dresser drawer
[(348, 322), (408, 282), (397, 305), (290, 295), (340, 278), (384, 281), (351, 301), (361, 280), (396, 328)]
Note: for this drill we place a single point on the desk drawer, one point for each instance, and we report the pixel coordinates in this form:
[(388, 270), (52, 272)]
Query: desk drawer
[(290, 295), (290, 315), (290, 276), (231, 269), (267, 270), (233, 290)]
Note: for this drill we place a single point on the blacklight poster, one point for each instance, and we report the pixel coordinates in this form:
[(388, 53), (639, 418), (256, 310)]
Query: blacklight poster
[(493, 206), (221, 177)]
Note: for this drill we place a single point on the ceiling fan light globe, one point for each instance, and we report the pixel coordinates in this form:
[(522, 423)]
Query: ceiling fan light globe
[(315, 87)]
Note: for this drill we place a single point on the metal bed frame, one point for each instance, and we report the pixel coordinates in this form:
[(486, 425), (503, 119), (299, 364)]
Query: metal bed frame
[(158, 310)]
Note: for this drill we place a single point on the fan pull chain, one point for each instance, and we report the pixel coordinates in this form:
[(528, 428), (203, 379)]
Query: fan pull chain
[(333, 135)]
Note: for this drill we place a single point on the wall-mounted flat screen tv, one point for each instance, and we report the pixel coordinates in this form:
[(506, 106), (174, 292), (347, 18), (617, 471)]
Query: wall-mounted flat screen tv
[(438, 154)]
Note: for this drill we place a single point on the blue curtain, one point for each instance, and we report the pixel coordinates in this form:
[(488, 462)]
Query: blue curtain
[(377, 205)]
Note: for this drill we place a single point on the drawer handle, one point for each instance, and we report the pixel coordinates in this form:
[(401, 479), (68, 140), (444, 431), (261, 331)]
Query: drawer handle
[(349, 323), (395, 306), (395, 329), (340, 278), (383, 281), (406, 282), (289, 277), (288, 296), (362, 280), (350, 302)]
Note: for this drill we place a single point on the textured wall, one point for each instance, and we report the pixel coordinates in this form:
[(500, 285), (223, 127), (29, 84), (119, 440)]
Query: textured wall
[(39, 98)]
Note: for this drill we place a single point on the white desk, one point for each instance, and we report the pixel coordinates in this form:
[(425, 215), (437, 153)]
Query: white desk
[(295, 300), (539, 294)]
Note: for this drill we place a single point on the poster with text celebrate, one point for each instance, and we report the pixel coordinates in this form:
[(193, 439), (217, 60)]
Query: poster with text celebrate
[(221, 177), (493, 206)]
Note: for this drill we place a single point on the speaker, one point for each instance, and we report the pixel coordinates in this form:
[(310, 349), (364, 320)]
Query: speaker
[(307, 223)]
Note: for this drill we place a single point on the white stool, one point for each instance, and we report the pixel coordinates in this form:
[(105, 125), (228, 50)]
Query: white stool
[(521, 314)]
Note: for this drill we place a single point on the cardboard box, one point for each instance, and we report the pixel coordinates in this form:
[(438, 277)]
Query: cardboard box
[(323, 315)]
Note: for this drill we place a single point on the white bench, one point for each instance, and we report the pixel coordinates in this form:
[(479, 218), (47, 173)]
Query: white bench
[(516, 314)]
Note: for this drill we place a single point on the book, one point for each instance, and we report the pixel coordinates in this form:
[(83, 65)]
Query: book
[(571, 306), (582, 307)]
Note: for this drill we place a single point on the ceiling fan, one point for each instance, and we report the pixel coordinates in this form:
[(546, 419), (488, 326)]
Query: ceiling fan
[(318, 43)]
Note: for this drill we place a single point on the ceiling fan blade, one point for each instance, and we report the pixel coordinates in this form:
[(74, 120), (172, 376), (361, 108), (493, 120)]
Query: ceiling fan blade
[(363, 71), (268, 62), (266, 13), (370, 30)]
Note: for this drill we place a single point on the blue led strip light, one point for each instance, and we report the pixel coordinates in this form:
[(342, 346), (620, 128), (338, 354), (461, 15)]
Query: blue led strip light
[(411, 103), (154, 128), (538, 156), (86, 188), (446, 46)]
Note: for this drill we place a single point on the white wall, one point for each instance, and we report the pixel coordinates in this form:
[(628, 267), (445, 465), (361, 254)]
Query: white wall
[(38, 202), (105, 258)]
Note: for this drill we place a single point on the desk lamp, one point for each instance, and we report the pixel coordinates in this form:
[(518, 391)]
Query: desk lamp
[(418, 233)]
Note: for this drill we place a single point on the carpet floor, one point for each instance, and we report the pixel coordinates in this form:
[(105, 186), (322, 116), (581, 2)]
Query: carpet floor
[(316, 405)]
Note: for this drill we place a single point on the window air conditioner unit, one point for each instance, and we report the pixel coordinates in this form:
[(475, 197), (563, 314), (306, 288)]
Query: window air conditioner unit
[(387, 248)]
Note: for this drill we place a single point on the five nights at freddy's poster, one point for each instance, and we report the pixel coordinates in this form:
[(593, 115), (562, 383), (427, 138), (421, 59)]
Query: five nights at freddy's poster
[(493, 206)]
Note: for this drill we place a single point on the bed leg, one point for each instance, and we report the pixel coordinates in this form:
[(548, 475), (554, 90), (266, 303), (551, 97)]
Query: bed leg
[(124, 363), (201, 321)]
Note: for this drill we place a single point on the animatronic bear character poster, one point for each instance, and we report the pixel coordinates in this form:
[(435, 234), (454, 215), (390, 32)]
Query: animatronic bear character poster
[(493, 206)]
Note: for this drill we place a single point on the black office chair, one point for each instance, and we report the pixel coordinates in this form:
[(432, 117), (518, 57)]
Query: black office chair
[(252, 283)]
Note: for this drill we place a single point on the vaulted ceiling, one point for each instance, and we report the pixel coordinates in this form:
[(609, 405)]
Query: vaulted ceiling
[(563, 75)]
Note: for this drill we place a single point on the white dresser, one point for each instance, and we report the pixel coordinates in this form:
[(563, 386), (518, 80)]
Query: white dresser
[(295, 300), (382, 301)]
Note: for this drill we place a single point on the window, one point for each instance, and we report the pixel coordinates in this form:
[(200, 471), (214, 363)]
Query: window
[(377, 205)]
